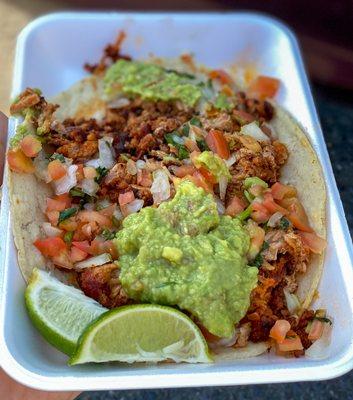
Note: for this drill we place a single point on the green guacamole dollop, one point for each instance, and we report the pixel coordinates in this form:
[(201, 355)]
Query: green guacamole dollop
[(150, 82), (183, 253)]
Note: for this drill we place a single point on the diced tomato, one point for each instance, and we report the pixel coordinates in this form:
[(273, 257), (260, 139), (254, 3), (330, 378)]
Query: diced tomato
[(272, 206), (208, 175), (184, 170), (94, 216), (297, 215), (30, 146), (68, 224), (315, 243), (89, 172), (236, 206), (56, 170), (144, 178), (260, 213), (53, 217), (77, 254), (82, 245), (63, 260), (217, 143), (19, 162), (221, 75), (79, 173), (55, 205), (280, 191), (280, 330), (126, 198), (191, 145), (108, 211), (243, 117), (51, 246), (97, 246), (316, 329), (263, 87), (199, 180), (65, 197), (291, 343)]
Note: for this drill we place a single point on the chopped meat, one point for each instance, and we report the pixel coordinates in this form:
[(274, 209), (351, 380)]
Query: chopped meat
[(265, 165), (267, 299), (102, 284), (27, 99), (111, 55), (260, 109), (119, 181)]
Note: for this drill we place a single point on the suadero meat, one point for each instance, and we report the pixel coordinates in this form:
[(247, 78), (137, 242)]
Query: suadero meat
[(262, 110), (143, 125), (265, 164), (267, 300), (102, 284), (111, 54), (119, 181), (28, 98)]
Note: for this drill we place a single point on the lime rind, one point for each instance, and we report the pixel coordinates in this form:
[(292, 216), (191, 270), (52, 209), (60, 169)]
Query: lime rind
[(60, 312), (195, 351)]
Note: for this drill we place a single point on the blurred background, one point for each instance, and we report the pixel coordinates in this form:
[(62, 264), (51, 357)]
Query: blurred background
[(325, 32)]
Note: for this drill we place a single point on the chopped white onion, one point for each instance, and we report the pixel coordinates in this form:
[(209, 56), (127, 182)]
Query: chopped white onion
[(104, 203), (131, 167), (320, 349), (160, 188), (119, 103), (67, 182), (132, 207), (140, 164), (106, 153), (220, 206), (93, 163), (274, 219), (293, 303), (226, 342), (231, 160), (223, 183), (89, 186), (50, 230), (118, 214), (89, 206), (254, 131), (41, 166), (94, 261)]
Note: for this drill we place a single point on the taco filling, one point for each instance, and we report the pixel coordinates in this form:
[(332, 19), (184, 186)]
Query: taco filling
[(168, 189)]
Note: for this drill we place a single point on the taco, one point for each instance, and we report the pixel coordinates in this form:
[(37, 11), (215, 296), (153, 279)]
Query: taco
[(165, 182)]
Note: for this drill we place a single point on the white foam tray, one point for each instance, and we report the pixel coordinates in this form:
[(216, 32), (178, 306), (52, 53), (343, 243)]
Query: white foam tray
[(50, 54)]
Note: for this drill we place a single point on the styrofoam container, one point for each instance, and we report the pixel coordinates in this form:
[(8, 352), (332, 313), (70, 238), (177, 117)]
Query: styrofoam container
[(50, 54)]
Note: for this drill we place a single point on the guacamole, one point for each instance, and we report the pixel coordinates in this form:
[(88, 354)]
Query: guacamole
[(183, 253), (150, 82)]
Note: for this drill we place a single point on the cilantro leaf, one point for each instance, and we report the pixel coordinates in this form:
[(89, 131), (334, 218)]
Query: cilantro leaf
[(108, 234), (257, 261), (284, 223), (65, 214), (57, 156), (68, 237), (195, 121), (102, 172)]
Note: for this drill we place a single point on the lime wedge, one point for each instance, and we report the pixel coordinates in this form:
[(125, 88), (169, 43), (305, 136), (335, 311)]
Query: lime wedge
[(60, 312), (142, 333)]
